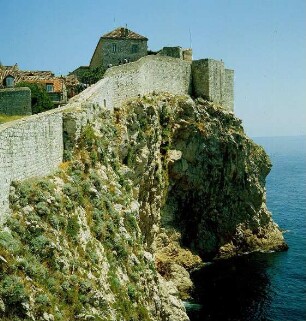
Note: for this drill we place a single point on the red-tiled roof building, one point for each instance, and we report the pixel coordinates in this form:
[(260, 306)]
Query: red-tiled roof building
[(55, 86)]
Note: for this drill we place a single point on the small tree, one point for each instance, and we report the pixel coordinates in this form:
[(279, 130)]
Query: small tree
[(91, 76), (40, 99)]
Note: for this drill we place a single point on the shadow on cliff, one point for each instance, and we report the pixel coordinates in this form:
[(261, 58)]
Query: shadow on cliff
[(216, 195)]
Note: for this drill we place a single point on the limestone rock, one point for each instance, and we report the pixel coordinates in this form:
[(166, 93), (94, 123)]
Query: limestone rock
[(150, 191)]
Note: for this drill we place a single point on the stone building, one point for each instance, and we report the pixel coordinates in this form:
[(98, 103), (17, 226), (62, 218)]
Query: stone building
[(209, 78), (119, 46)]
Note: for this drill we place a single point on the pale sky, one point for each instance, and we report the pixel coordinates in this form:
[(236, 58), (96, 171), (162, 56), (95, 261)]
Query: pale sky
[(264, 41)]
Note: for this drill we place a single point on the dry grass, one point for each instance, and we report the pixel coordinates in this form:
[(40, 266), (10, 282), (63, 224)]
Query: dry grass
[(8, 118)]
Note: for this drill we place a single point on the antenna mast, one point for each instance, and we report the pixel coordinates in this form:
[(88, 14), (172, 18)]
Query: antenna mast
[(190, 40)]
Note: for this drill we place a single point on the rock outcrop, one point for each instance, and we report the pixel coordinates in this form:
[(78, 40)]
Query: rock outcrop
[(150, 192)]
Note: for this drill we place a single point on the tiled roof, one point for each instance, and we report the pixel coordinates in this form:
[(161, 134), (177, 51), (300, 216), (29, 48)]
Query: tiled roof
[(42, 77), (123, 33)]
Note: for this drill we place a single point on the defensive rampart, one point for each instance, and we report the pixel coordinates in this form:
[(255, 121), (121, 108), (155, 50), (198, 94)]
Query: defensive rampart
[(214, 82), (29, 147), (34, 146)]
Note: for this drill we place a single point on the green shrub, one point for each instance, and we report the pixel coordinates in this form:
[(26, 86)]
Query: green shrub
[(42, 299), (13, 292), (42, 209), (73, 227), (114, 283), (9, 243), (40, 99), (132, 293), (42, 246)]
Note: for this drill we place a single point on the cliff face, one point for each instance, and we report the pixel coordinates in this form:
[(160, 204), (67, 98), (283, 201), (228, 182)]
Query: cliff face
[(148, 191)]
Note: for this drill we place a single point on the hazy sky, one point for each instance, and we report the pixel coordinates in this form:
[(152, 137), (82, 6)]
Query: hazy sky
[(264, 41)]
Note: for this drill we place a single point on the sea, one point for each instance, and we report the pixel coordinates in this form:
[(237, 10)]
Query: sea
[(264, 286)]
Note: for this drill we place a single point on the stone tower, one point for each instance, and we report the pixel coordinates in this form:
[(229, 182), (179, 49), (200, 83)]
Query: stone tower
[(212, 81)]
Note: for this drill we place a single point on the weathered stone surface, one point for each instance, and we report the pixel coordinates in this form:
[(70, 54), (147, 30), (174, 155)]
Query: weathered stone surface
[(213, 82), (150, 188), (28, 148), (15, 101)]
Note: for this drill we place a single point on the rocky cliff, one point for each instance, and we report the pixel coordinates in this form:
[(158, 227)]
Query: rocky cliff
[(150, 191)]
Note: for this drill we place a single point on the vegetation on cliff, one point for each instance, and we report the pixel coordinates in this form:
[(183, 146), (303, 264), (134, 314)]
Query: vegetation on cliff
[(164, 177)]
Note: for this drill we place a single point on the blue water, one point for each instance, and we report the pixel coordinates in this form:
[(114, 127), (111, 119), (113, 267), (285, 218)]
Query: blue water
[(264, 286)]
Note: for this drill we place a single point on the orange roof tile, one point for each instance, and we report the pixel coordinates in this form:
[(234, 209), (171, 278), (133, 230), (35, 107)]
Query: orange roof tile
[(123, 33), (41, 77)]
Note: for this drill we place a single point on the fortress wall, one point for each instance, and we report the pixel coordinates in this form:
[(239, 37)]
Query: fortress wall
[(213, 82), (229, 89), (216, 80), (200, 78), (165, 74), (15, 101), (148, 74), (120, 83), (34, 146), (28, 148)]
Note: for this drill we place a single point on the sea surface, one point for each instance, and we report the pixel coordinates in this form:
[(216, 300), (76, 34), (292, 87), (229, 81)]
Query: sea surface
[(264, 286)]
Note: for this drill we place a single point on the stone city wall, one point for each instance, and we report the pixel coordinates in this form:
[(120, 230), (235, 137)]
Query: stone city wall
[(15, 101), (34, 146), (120, 83), (29, 147), (229, 89), (213, 82)]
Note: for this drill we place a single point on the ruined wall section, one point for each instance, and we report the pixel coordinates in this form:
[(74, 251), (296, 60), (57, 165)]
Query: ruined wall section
[(28, 148), (15, 101)]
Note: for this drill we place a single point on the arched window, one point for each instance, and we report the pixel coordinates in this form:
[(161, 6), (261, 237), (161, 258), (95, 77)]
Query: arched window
[(9, 81)]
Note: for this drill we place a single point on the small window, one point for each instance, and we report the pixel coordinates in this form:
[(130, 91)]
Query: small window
[(49, 88), (114, 47), (134, 48), (9, 81)]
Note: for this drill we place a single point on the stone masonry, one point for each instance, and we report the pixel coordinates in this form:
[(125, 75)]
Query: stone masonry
[(34, 146), (120, 45), (213, 82), (15, 101), (28, 148)]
